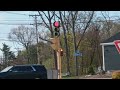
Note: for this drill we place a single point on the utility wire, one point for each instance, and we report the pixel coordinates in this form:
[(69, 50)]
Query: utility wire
[(8, 40), (15, 24), (48, 23), (16, 20), (3, 33), (66, 23), (15, 13)]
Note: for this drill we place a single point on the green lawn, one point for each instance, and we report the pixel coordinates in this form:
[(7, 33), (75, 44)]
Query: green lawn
[(70, 77)]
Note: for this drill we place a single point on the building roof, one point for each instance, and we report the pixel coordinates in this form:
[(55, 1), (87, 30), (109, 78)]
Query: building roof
[(112, 38)]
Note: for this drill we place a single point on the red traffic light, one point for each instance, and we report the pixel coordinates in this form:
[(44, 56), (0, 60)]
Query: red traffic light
[(56, 24)]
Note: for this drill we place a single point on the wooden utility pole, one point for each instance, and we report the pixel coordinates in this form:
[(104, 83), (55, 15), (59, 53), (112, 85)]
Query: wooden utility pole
[(56, 46), (36, 26), (59, 60), (59, 64)]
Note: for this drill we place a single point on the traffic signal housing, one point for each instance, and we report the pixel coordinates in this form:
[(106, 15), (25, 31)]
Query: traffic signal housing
[(57, 28), (61, 52), (57, 32)]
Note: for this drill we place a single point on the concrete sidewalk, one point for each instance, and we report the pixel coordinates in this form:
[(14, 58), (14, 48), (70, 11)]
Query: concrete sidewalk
[(95, 78), (104, 76)]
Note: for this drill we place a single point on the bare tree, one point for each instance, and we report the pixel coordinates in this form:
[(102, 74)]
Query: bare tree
[(24, 36), (86, 25), (71, 20), (74, 22), (65, 27)]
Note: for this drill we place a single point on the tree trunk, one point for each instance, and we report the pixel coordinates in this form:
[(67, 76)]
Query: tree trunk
[(66, 44), (75, 49), (28, 59), (55, 60), (92, 56)]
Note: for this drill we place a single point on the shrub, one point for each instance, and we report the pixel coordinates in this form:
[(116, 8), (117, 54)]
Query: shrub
[(116, 75), (91, 70)]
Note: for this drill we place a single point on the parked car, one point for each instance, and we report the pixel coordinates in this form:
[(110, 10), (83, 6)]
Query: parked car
[(24, 72)]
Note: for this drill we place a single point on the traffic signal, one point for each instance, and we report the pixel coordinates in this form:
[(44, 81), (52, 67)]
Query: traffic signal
[(61, 52), (57, 33), (57, 26)]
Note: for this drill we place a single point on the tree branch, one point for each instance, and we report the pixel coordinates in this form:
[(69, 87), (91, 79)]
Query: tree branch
[(43, 20), (106, 21), (53, 13), (45, 15), (57, 16), (45, 40), (88, 23), (67, 19), (50, 23)]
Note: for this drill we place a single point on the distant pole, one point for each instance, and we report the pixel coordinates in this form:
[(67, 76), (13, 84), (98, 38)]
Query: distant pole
[(36, 27), (37, 40)]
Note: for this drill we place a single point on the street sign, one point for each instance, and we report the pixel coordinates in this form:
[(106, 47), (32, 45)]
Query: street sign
[(117, 45), (77, 53)]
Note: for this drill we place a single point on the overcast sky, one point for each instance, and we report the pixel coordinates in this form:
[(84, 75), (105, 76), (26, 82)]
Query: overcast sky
[(11, 17)]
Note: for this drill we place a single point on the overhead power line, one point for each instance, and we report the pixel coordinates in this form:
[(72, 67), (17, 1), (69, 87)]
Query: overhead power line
[(15, 24), (16, 13), (16, 20), (36, 27), (5, 23), (8, 40)]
